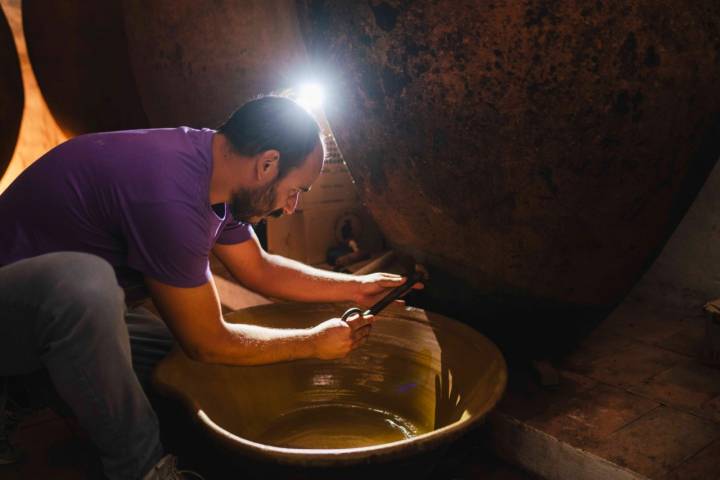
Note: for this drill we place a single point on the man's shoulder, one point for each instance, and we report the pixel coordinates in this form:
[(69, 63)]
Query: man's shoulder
[(151, 160), (155, 139)]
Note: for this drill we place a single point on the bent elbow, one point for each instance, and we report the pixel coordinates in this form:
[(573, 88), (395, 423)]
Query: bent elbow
[(198, 353), (211, 355)]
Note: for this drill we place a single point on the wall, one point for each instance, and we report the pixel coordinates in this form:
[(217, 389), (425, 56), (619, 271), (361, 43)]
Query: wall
[(689, 265)]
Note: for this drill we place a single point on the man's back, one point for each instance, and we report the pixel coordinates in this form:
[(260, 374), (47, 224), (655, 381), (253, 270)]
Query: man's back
[(137, 198)]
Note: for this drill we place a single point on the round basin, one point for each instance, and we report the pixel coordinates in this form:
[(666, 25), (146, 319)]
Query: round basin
[(420, 381)]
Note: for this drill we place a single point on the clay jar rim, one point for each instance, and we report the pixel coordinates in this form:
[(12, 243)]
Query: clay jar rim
[(338, 457)]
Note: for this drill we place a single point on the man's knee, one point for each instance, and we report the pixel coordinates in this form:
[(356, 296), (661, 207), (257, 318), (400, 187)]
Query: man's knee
[(81, 293), (55, 275), (62, 301), (80, 276)]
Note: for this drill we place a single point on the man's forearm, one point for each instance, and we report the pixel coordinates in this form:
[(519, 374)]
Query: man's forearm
[(280, 277), (253, 345), (293, 280), (240, 344)]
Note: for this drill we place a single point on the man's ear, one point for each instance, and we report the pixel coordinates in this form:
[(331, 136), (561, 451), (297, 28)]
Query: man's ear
[(268, 165)]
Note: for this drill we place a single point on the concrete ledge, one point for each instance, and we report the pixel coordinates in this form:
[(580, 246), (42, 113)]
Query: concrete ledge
[(545, 455)]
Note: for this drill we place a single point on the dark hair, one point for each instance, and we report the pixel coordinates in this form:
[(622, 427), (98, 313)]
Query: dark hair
[(273, 123)]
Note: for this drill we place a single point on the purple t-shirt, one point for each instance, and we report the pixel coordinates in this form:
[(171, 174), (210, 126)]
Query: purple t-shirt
[(137, 198)]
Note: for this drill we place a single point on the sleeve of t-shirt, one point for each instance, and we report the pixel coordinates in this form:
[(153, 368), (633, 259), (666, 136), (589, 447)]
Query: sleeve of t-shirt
[(235, 232), (169, 243)]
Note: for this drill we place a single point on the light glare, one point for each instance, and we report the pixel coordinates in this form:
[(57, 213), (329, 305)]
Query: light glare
[(311, 95)]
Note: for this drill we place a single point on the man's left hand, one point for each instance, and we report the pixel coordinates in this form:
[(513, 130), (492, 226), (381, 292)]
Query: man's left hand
[(371, 288)]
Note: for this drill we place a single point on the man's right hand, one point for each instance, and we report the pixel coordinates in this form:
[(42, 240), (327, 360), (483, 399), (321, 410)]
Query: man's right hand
[(335, 338)]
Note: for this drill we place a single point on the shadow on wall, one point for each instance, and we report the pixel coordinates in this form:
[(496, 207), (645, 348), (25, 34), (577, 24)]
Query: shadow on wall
[(691, 258)]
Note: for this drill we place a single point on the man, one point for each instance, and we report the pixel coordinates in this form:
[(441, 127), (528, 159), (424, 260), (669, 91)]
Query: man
[(144, 209)]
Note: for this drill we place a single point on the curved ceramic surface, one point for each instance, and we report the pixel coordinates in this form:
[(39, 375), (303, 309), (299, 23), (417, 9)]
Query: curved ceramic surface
[(133, 64), (78, 52), (195, 62), (428, 376), (541, 150)]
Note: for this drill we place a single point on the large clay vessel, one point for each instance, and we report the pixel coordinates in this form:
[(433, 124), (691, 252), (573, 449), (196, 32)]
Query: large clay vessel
[(541, 150), (11, 94), (78, 52), (387, 409), (105, 65), (195, 62)]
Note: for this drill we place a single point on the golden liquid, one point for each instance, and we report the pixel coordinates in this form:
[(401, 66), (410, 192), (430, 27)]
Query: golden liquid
[(337, 426)]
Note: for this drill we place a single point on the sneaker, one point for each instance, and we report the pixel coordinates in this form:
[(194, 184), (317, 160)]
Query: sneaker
[(166, 469)]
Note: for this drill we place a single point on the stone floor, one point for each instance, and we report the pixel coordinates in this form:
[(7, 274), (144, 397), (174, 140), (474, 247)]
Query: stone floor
[(635, 394)]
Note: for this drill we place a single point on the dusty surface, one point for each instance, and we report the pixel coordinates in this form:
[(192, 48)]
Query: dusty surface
[(541, 149), (636, 392)]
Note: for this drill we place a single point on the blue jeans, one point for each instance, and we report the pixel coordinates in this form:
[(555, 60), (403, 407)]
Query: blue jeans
[(66, 313)]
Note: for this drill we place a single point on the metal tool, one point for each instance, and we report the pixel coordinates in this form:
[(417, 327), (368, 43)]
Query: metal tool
[(394, 294)]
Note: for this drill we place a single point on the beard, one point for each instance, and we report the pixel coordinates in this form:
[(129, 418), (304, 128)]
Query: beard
[(246, 204)]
